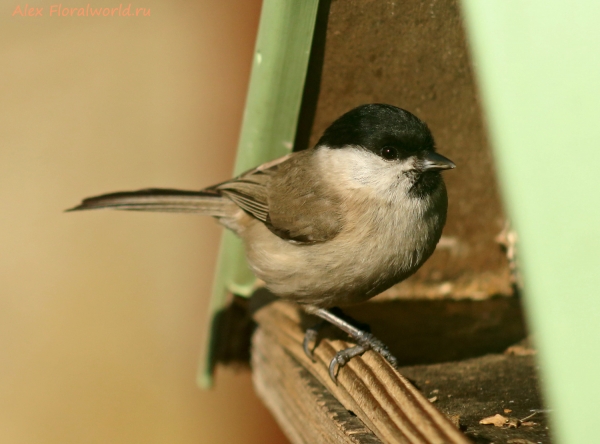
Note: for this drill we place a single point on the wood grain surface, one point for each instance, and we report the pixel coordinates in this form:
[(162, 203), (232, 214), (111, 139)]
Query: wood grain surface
[(371, 402)]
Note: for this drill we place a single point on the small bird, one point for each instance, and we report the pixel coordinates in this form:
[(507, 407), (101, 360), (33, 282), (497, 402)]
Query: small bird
[(333, 225)]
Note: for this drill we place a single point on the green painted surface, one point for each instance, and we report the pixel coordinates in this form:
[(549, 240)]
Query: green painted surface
[(268, 130), (538, 68)]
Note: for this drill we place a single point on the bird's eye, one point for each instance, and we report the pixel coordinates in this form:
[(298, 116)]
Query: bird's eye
[(389, 153)]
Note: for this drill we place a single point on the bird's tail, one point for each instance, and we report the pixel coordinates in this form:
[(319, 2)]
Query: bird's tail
[(207, 202)]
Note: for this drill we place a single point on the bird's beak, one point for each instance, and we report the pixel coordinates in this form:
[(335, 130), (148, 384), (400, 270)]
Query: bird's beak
[(434, 161)]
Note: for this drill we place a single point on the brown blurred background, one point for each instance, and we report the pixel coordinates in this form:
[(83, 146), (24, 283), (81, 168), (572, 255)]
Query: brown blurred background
[(102, 313)]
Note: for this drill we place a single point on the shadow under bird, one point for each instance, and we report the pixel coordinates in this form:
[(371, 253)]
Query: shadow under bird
[(333, 225)]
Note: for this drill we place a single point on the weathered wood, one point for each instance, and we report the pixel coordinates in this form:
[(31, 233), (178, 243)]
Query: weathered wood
[(299, 392), (306, 411)]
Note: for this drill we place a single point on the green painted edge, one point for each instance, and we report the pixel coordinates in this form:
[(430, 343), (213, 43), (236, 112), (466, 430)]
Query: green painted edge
[(269, 127), (538, 71)]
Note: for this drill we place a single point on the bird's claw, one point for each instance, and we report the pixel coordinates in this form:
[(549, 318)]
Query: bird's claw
[(364, 339), (311, 336), (342, 357), (372, 343), (366, 342)]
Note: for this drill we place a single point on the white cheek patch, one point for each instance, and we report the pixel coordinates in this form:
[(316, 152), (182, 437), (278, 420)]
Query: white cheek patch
[(357, 168)]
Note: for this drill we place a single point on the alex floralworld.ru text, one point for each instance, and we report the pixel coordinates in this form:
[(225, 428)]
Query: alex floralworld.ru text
[(88, 11)]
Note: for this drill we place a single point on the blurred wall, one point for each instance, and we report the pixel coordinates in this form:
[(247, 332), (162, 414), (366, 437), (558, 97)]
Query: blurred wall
[(101, 313)]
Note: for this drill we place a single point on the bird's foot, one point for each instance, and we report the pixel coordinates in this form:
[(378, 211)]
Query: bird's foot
[(366, 341), (310, 337)]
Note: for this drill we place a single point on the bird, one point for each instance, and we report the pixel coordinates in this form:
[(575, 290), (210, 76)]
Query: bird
[(332, 225)]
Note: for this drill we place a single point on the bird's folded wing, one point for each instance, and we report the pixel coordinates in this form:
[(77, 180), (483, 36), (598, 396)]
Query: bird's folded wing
[(288, 198), (249, 190), (249, 196)]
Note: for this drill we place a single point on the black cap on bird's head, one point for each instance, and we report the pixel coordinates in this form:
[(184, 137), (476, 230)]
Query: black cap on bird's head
[(388, 131)]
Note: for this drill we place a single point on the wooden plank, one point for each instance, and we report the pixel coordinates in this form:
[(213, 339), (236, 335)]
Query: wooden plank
[(382, 399), (305, 410)]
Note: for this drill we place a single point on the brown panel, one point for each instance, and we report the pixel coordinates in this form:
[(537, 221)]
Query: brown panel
[(413, 54)]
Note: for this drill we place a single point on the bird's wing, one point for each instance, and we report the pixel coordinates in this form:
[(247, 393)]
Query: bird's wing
[(285, 196), (249, 190)]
